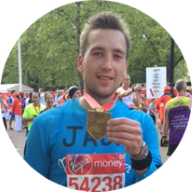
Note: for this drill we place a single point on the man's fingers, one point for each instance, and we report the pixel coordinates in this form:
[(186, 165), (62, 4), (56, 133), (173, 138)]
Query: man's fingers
[(119, 121), (123, 135), (124, 128)]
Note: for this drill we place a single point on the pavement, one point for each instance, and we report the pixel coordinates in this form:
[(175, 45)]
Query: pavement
[(18, 140)]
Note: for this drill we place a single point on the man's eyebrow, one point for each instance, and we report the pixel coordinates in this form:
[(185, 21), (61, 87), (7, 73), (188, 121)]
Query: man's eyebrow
[(97, 48), (102, 48), (119, 51)]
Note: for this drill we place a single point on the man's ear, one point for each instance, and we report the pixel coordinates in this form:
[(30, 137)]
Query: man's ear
[(80, 63)]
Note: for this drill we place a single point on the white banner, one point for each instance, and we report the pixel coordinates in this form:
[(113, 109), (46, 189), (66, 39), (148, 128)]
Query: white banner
[(156, 80)]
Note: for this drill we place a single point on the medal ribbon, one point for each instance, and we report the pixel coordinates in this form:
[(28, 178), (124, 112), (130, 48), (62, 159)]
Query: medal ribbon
[(36, 109), (94, 104)]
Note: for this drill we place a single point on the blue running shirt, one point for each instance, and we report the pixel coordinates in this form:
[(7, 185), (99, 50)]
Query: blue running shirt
[(62, 131)]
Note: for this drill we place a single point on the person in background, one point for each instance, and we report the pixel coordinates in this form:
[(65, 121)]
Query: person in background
[(17, 111), (143, 102), (129, 96), (23, 99), (152, 111), (42, 96), (49, 100), (7, 114), (188, 92), (27, 99), (160, 105), (12, 117), (32, 110), (63, 97), (74, 92), (176, 117), (4, 107)]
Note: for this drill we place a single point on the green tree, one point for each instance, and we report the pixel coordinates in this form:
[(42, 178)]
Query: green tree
[(51, 44)]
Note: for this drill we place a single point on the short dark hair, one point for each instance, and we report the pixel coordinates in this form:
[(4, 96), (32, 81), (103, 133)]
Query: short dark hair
[(35, 93), (180, 85), (104, 20)]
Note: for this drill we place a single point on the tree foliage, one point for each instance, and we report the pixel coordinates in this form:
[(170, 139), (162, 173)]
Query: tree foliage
[(51, 44)]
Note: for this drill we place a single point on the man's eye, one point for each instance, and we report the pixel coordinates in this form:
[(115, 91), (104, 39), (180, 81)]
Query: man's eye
[(117, 56), (97, 54)]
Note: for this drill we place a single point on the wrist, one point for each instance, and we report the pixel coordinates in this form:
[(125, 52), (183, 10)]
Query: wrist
[(142, 154), (143, 160)]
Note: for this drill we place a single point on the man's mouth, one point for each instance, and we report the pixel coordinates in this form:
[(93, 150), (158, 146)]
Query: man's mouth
[(106, 78)]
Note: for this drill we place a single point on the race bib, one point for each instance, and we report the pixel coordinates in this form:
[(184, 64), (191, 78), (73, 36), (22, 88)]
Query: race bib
[(95, 172)]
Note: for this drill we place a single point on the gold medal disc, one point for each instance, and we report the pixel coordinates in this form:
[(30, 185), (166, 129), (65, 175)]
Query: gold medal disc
[(97, 122)]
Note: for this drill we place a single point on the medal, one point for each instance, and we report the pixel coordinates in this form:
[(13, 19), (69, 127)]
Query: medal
[(97, 122), (97, 119)]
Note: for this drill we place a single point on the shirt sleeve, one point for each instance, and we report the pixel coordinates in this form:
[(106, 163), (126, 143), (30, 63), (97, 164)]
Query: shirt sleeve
[(150, 136), (37, 148)]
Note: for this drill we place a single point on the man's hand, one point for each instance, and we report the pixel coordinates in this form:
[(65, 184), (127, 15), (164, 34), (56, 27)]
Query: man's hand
[(137, 87), (125, 132)]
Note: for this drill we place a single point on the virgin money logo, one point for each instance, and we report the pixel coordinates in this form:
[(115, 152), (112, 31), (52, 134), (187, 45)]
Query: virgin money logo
[(79, 164)]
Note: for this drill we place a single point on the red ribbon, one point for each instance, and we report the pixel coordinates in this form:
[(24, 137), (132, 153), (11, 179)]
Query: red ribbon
[(93, 104)]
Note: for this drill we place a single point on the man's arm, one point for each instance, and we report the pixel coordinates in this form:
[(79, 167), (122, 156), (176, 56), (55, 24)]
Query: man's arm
[(136, 99), (124, 93), (4, 104), (129, 91), (128, 132)]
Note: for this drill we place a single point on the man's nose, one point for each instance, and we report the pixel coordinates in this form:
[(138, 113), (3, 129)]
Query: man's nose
[(108, 61)]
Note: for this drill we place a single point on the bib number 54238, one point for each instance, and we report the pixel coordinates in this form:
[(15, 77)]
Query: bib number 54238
[(96, 183)]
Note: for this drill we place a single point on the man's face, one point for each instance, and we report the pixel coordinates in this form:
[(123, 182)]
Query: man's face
[(126, 81), (35, 98), (104, 62)]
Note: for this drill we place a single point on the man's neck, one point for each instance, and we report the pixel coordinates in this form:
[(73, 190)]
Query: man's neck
[(125, 87), (181, 94), (102, 101)]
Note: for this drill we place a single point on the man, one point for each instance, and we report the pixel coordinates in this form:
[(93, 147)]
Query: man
[(32, 110), (160, 105), (129, 96), (4, 107), (188, 93), (152, 111), (176, 117), (17, 111), (42, 96), (63, 98), (62, 138), (10, 102), (74, 92)]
